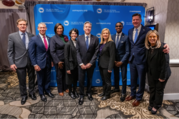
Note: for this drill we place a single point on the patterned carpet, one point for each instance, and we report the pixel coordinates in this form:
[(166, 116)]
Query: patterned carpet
[(65, 107)]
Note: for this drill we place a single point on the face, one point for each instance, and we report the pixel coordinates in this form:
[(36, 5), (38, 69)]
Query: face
[(136, 21), (152, 38), (42, 29), (73, 35), (118, 27), (59, 30), (105, 35), (87, 28), (22, 25)]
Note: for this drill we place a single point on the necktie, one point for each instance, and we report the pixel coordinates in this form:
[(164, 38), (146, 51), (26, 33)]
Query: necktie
[(117, 41), (45, 42), (87, 42), (136, 35), (24, 39)]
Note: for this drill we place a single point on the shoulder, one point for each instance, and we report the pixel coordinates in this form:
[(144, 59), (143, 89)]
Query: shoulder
[(34, 37), (111, 43), (92, 36), (124, 35), (131, 30), (13, 34), (30, 34)]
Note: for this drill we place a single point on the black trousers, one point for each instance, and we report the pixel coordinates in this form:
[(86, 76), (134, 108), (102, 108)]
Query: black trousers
[(106, 78), (60, 75), (74, 77), (82, 79), (21, 74), (123, 68), (156, 92)]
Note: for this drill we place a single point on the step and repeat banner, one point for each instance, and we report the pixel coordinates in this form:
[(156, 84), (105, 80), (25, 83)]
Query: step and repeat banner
[(74, 16)]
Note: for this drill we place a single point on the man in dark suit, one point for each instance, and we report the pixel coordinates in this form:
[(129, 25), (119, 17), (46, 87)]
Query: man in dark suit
[(39, 53), (87, 49), (137, 58), (122, 54), (19, 60)]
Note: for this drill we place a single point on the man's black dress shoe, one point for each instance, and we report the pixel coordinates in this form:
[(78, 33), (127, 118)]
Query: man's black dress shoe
[(81, 100), (154, 112), (115, 90), (32, 96), (76, 94), (23, 100), (90, 97), (105, 97), (43, 98), (50, 95), (101, 95), (71, 94), (149, 108), (123, 97)]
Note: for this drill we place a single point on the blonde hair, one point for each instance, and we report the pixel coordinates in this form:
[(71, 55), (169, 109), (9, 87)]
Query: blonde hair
[(109, 39), (147, 44), (21, 20)]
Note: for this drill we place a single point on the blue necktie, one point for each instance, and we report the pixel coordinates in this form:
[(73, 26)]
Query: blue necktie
[(136, 35), (117, 41), (24, 39), (87, 45)]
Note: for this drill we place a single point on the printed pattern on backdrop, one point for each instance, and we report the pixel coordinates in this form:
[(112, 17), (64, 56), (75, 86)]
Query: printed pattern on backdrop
[(74, 16)]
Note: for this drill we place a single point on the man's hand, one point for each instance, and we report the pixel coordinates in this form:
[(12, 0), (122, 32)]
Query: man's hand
[(118, 64), (167, 49), (37, 68), (109, 71), (88, 65), (60, 65), (68, 72), (52, 64), (161, 80), (13, 67), (83, 67)]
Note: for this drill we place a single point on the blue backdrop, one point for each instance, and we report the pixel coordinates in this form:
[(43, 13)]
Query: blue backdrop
[(73, 16)]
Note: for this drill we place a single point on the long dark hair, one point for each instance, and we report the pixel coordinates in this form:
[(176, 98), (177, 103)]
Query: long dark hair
[(56, 26)]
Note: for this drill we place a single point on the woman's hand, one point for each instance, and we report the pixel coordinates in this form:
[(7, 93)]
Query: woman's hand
[(161, 80), (167, 49), (60, 65), (68, 72), (109, 71)]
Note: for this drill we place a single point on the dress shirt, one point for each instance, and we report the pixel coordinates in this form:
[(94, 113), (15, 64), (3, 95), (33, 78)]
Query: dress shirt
[(119, 37), (42, 38), (74, 42), (26, 38), (134, 31)]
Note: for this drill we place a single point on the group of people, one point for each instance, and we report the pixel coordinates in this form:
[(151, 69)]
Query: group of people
[(76, 57)]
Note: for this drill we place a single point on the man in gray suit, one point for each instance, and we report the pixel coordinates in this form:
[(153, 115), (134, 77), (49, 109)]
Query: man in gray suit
[(19, 59), (87, 48)]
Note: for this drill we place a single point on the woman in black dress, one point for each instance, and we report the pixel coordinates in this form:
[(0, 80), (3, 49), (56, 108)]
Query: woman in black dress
[(57, 44), (158, 70), (71, 64), (106, 61)]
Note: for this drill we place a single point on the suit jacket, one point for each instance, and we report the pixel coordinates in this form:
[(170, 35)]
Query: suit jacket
[(107, 56), (70, 56), (37, 52), (158, 64), (122, 50), (17, 52), (57, 49), (87, 56), (138, 49)]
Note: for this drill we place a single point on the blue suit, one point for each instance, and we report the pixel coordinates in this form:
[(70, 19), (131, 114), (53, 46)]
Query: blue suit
[(39, 56), (122, 54), (137, 62)]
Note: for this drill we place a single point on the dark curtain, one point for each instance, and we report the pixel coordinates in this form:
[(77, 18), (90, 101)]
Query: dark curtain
[(7, 25)]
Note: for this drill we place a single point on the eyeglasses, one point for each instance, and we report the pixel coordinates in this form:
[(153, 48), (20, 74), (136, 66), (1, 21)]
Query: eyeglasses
[(119, 26)]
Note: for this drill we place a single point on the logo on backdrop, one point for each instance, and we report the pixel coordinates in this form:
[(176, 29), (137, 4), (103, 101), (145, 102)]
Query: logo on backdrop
[(98, 35), (122, 22), (41, 10), (98, 80), (99, 10), (66, 23)]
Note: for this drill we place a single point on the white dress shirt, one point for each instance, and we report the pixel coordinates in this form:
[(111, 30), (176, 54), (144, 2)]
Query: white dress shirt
[(119, 37), (43, 39), (74, 42), (26, 38), (134, 31)]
